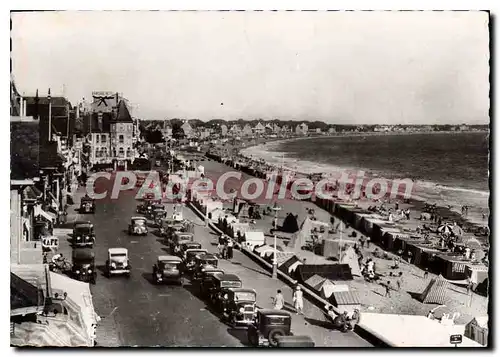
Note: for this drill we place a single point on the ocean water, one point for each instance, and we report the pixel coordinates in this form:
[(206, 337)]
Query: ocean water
[(449, 169)]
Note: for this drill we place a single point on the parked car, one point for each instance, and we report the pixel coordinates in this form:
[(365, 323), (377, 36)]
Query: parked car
[(138, 226), (154, 208), (83, 234), (189, 245), (221, 282), (158, 216), (203, 272), (87, 205), (83, 267), (206, 259), (178, 239), (238, 306), (167, 268), (268, 326), (118, 263), (144, 207), (168, 228), (189, 259)]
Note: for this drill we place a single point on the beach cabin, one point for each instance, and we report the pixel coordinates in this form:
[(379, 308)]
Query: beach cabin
[(302, 129), (188, 129), (345, 300), (477, 330), (223, 130)]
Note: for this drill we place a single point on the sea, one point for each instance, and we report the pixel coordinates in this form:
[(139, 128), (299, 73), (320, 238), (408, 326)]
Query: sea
[(449, 169)]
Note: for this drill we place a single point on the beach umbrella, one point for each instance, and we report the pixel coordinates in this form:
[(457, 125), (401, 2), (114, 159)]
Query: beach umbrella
[(445, 228), (457, 231), (473, 243)]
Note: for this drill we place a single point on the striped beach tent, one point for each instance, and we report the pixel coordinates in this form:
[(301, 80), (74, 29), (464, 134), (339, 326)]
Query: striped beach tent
[(435, 292)]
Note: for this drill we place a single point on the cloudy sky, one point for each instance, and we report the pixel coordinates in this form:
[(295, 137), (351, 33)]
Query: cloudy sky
[(339, 67)]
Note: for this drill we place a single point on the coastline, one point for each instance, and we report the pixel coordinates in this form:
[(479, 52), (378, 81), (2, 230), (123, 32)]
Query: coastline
[(475, 219)]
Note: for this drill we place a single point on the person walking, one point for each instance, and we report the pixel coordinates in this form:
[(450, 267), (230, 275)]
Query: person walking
[(279, 301), (220, 246), (229, 249), (368, 239), (298, 300), (388, 289)]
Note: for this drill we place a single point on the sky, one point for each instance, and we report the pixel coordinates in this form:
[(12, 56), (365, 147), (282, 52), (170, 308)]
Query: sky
[(337, 67)]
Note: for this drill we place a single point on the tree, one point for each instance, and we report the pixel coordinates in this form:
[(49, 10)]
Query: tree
[(154, 137)]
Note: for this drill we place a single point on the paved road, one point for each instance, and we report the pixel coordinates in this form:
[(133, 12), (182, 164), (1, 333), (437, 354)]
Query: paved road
[(146, 314), (143, 314)]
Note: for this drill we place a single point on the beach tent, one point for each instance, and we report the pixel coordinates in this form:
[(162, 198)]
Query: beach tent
[(290, 224), (350, 257), (435, 292), (216, 214), (473, 243), (300, 238), (326, 288)]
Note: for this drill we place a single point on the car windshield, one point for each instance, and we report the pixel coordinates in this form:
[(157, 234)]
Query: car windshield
[(119, 255), (245, 295), (83, 230), (84, 261)]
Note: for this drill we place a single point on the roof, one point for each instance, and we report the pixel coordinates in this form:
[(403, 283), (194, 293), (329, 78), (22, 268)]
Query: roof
[(24, 150), (117, 250), (228, 277), (243, 290), (81, 222), (55, 101), (137, 218), (82, 254), (346, 298), (481, 321), (23, 294), (274, 312), (197, 251), (209, 256), (123, 115), (170, 258)]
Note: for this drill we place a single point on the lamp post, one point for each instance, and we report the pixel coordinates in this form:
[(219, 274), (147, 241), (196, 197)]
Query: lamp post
[(276, 209)]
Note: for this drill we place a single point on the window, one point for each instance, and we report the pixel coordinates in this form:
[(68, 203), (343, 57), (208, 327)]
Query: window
[(97, 138), (103, 138), (121, 152), (120, 139), (129, 152)]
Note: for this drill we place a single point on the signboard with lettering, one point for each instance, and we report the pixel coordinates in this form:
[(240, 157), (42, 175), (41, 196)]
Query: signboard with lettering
[(455, 339), (50, 242)]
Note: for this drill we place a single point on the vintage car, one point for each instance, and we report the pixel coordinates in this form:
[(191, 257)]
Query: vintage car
[(83, 267), (87, 205), (237, 306), (206, 280), (168, 227), (83, 234), (167, 269), (137, 226), (117, 262), (178, 239), (189, 245), (206, 259), (220, 282), (268, 326), (155, 207), (158, 216), (189, 259), (204, 271), (144, 207)]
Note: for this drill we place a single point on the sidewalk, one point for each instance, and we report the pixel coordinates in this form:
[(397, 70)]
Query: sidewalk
[(312, 323)]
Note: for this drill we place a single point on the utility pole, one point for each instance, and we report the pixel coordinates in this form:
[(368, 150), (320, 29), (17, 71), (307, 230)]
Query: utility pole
[(50, 116)]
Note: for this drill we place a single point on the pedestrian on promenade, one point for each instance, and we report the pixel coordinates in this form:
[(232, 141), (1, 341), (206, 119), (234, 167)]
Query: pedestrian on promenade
[(229, 248), (362, 242), (298, 300), (279, 301), (220, 246), (388, 289), (368, 239), (426, 273), (224, 249)]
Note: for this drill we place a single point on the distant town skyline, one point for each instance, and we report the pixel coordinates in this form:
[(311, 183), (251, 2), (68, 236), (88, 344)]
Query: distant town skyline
[(362, 68)]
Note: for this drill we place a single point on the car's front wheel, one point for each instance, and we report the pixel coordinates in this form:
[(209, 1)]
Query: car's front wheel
[(273, 334)]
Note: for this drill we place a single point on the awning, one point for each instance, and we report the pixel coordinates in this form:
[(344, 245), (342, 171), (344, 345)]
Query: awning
[(47, 215), (54, 200), (79, 294)]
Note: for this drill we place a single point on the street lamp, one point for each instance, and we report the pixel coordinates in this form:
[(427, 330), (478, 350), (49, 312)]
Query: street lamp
[(276, 209)]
